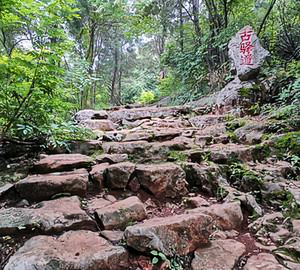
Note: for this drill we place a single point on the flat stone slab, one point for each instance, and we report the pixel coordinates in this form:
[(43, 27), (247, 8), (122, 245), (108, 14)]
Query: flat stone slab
[(263, 261), (76, 250), (221, 255), (46, 217), (112, 159), (121, 214), (163, 180), (130, 148), (179, 234), (97, 174), (37, 188), (5, 189), (62, 162)]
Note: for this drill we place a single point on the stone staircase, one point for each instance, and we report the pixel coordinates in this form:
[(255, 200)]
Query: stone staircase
[(164, 185)]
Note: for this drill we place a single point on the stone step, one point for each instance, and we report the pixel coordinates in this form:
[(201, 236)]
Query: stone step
[(36, 188), (46, 217), (74, 250), (62, 162)]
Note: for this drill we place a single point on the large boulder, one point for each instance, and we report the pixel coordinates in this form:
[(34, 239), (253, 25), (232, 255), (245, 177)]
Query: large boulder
[(138, 148), (46, 217), (97, 175), (37, 188), (170, 235), (221, 255), (246, 53), (76, 250), (163, 180), (62, 162), (121, 214)]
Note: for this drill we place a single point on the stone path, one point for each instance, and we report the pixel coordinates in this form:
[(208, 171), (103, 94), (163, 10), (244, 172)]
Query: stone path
[(169, 185)]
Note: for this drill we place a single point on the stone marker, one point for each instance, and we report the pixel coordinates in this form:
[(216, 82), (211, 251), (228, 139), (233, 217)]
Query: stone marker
[(246, 53)]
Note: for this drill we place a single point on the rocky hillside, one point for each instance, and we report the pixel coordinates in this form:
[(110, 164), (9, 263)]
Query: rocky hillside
[(161, 188)]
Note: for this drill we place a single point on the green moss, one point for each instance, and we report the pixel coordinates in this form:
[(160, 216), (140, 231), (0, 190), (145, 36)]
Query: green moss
[(288, 143), (97, 153), (178, 156), (232, 136)]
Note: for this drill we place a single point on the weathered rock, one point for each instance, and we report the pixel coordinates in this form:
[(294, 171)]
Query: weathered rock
[(246, 53), (5, 189), (291, 265), (221, 255), (229, 97), (207, 177), (138, 148), (97, 174), (97, 203), (144, 113), (195, 202), (296, 227), (36, 188), (206, 120), (113, 236), (104, 125), (171, 235), (263, 261), (281, 236), (251, 133), (163, 180), (247, 200), (121, 214), (85, 115), (85, 147), (76, 250), (115, 136), (221, 153), (119, 174), (46, 217), (63, 162), (267, 223), (161, 150), (212, 130), (227, 216), (112, 159)]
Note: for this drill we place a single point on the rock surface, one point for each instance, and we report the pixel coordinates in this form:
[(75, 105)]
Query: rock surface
[(188, 231), (221, 255), (47, 217), (121, 214), (76, 250), (246, 53), (36, 188), (163, 180), (63, 162)]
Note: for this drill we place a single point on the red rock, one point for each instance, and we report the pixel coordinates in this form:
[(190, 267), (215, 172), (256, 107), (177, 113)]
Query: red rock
[(221, 255), (119, 174), (136, 147), (178, 235), (104, 125), (62, 162), (163, 180), (263, 261), (121, 214), (112, 159), (97, 174), (226, 216), (195, 202), (113, 236), (206, 120), (76, 250), (36, 188), (46, 217)]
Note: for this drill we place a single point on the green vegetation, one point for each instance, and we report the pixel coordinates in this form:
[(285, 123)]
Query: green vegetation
[(178, 156), (61, 56)]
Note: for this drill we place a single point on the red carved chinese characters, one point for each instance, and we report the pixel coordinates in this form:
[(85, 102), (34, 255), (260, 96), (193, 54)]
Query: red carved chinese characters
[(246, 47)]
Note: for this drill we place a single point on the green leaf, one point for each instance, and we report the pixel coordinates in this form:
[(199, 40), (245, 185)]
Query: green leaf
[(154, 253), (155, 260)]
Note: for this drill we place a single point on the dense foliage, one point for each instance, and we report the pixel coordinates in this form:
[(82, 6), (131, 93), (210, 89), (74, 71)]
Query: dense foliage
[(58, 56)]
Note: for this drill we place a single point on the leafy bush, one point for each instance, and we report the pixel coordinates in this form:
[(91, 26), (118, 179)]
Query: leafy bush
[(146, 97)]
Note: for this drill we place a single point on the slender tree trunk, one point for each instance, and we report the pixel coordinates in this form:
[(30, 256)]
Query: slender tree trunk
[(181, 26)]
